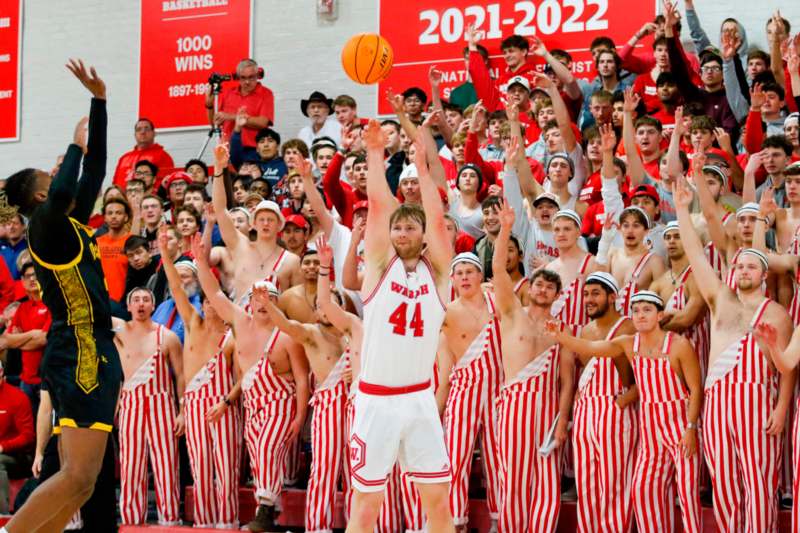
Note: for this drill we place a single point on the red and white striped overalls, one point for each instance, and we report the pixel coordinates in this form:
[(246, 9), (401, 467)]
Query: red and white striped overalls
[(471, 409), (269, 409), (604, 439), (530, 488), (661, 464), (518, 286), (740, 393), (214, 447), (631, 286), (569, 306), (327, 447), (147, 416), (698, 334)]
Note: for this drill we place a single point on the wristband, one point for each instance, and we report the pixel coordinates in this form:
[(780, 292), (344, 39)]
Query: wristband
[(691, 425), (209, 107), (227, 401), (219, 175)]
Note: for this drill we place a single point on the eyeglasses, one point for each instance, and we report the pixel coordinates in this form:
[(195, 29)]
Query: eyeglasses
[(711, 68), (143, 173)]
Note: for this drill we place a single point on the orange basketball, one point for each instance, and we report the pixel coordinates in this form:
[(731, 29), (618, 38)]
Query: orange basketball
[(367, 58)]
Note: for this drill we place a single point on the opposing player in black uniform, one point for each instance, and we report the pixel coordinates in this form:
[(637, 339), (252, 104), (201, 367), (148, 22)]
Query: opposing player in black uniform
[(81, 366)]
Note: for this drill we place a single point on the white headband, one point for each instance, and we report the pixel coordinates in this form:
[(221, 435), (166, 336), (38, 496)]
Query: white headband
[(466, 257), (671, 226), (647, 296), (570, 214), (748, 208), (761, 256), (603, 278), (640, 210)]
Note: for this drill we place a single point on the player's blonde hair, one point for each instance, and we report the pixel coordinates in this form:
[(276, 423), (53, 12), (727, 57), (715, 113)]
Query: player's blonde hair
[(408, 212)]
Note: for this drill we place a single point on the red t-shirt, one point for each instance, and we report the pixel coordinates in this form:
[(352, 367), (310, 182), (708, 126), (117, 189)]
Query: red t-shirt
[(645, 87), (154, 153), (30, 315), (115, 263), (16, 419), (259, 103)]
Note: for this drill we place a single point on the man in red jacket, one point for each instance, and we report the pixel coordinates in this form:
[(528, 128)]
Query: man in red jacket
[(16, 436), (145, 149)]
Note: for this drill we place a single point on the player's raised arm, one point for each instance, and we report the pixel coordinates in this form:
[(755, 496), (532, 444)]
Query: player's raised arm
[(505, 299), (440, 249), (377, 246), (705, 277)]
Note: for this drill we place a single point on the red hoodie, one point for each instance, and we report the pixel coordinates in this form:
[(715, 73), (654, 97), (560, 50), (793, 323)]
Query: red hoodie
[(340, 195), (154, 153)]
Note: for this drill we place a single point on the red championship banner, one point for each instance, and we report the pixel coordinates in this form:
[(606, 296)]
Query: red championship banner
[(433, 32), (182, 43), (10, 68)]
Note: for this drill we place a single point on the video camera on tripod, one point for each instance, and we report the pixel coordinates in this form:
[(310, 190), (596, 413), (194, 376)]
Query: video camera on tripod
[(216, 79)]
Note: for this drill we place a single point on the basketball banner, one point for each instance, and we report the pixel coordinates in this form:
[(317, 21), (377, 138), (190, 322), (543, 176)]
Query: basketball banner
[(182, 43), (433, 32), (10, 68)]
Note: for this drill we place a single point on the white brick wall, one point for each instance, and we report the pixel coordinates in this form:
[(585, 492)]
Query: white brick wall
[(299, 52)]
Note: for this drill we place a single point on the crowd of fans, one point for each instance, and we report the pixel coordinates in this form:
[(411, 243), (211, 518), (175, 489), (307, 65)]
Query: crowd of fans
[(550, 144)]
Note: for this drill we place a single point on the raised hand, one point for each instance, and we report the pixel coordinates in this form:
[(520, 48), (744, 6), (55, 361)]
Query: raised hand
[(793, 56), (698, 162), (723, 139), (473, 36), (682, 194), (537, 46), (767, 205), (608, 138), (199, 249), (221, 157), (396, 101), (754, 162), (163, 241), (89, 78), (543, 81), (324, 252), (374, 138), (506, 215), (241, 119), (434, 76), (671, 14), (514, 152), (478, 112), (304, 169), (433, 119), (728, 46), (631, 100), (648, 28), (512, 112), (81, 134), (757, 97), (610, 223), (680, 129), (210, 213)]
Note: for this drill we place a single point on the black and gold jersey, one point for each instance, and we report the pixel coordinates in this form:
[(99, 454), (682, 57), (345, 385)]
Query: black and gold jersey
[(75, 292)]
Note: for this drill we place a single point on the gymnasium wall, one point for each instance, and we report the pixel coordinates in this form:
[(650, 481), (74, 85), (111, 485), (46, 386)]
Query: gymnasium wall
[(299, 52)]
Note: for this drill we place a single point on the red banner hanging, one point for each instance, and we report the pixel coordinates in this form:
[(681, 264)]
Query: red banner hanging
[(182, 43), (432, 32), (10, 68)]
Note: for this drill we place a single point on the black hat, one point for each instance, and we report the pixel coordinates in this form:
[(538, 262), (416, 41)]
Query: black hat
[(316, 96)]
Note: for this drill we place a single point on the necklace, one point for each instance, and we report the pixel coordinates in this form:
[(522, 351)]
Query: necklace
[(312, 302), (672, 275), (270, 256)]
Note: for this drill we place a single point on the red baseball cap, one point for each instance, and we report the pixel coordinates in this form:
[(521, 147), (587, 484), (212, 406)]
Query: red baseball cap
[(177, 176), (298, 220), (647, 190), (363, 204)]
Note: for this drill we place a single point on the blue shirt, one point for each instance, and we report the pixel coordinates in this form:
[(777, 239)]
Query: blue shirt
[(167, 315), (10, 253)]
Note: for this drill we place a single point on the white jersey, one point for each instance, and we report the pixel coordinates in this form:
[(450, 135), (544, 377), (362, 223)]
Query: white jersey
[(402, 319)]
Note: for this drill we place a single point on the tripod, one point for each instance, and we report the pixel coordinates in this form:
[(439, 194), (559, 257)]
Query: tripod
[(215, 131)]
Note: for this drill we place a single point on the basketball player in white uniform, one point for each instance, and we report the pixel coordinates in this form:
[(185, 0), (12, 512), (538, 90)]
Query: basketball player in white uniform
[(404, 288)]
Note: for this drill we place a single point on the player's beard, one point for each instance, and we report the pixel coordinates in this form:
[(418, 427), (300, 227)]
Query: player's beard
[(409, 252), (747, 286), (600, 311)]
